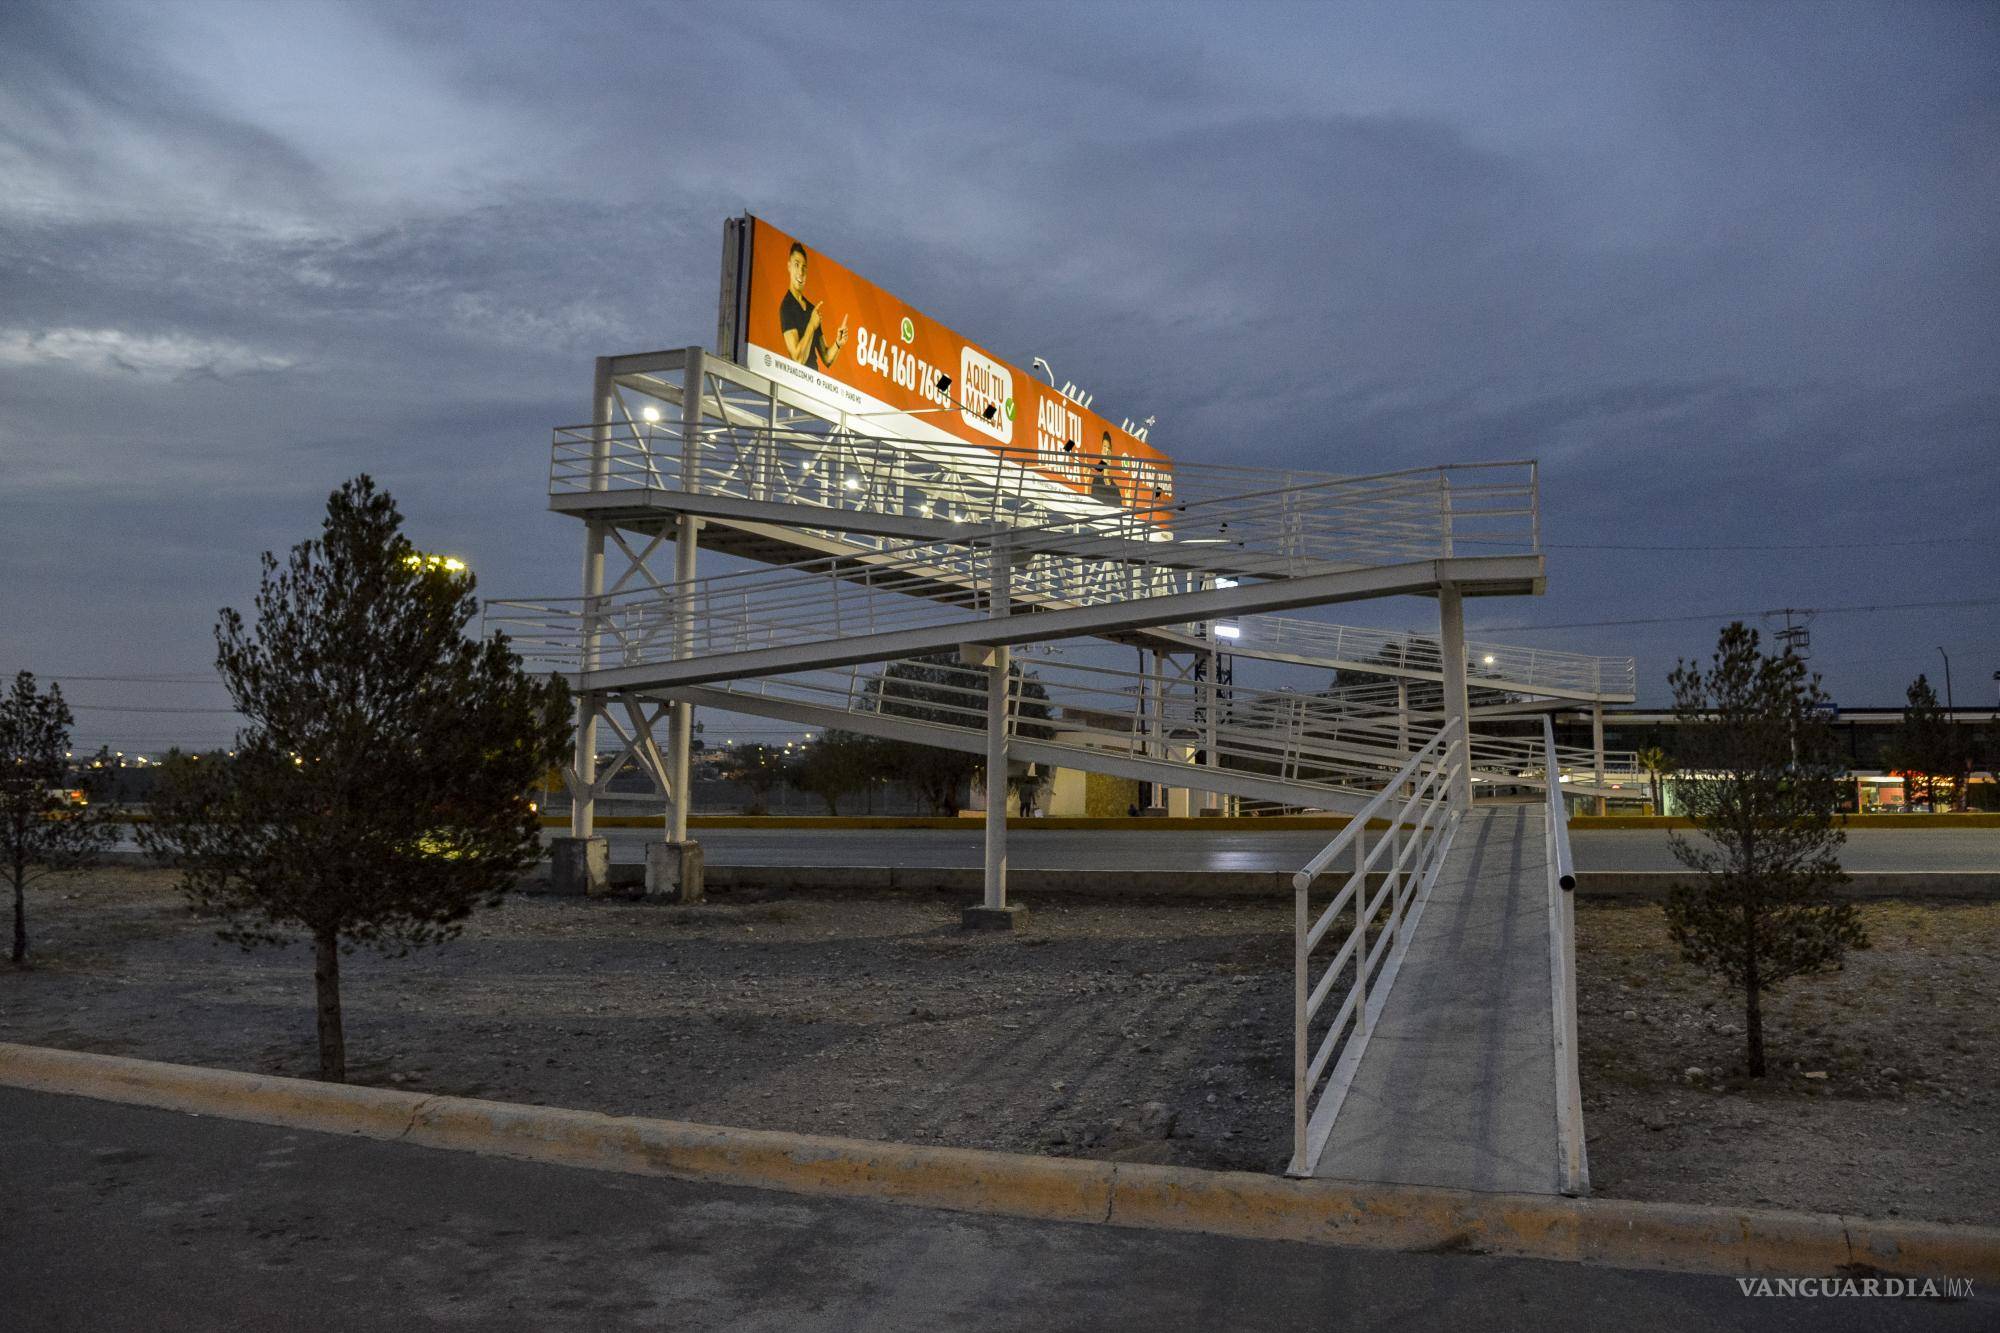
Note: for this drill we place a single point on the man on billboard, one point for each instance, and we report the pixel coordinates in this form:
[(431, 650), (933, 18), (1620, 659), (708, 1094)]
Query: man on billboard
[(1102, 487), (800, 322)]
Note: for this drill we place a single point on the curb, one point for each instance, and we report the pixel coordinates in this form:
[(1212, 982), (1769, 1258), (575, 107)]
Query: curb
[(1676, 1237)]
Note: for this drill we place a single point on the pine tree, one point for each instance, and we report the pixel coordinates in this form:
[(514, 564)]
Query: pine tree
[(1760, 778), (42, 830), (1922, 747), (381, 792)]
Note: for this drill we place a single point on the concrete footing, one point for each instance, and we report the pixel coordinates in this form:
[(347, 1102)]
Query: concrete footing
[(675, 872), (579, 867), (981, 917)]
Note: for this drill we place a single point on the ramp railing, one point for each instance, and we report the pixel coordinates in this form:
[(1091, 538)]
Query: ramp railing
[(1356, 523), (1488, 665), (1526, 760), (1572, 1155), (1417, 513), (1090, 714), (1417, 804)]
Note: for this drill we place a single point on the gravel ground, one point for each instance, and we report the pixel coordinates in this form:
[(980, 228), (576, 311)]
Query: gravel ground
[(1882, 1095), (1134, 1031)]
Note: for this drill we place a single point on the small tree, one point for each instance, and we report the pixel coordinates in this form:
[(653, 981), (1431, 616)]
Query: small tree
[(832, 766), (1759, 776), (43, 829), (1922, 747), (381, 791), (938, 688), (1654, 763)]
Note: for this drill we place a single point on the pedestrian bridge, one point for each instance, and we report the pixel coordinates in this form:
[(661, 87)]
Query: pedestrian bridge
[(894, 577)]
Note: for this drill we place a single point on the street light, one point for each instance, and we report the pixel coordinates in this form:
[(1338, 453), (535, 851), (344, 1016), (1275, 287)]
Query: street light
[(1947, 682)]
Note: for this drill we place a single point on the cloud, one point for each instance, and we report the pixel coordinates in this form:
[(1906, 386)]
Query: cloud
[(167, 356)]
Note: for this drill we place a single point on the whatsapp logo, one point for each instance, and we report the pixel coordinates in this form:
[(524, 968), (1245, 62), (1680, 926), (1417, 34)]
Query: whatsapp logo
[(909, 329)]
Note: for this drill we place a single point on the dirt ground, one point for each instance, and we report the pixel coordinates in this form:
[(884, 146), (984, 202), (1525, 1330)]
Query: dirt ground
[(1882, 1093), (1135, 1031)]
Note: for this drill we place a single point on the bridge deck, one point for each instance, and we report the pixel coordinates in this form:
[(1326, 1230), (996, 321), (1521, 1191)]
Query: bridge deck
[(1457, 1086)]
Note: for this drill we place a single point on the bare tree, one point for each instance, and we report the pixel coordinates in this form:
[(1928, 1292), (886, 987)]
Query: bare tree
[(1760, 778), (44, 825), (380, 793)]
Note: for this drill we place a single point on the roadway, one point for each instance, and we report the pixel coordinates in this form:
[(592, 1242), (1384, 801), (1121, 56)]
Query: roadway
[(116, 1217), (1198, 850)]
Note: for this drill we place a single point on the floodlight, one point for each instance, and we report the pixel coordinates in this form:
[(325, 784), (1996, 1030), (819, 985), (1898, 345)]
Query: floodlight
[(992, 411), (650, 413), (1069, 447), (1225, 630), (850, 482), (1487, 660), (944, 384)]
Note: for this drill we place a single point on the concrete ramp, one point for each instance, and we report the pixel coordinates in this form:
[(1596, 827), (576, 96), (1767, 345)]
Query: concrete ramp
[(1457, 1086)]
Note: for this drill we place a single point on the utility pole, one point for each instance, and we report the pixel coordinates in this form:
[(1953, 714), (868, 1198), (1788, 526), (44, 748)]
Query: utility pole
[(1947, 683)]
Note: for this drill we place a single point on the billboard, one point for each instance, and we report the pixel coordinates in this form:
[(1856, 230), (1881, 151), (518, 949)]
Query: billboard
[(831, 335)]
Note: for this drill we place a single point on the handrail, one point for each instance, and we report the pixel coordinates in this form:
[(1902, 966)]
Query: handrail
[(1572, 1151), (1313, 869), (1418, 837)]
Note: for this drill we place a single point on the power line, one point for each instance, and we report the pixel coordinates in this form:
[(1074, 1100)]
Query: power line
[(176, 678), (1741, 615), (121, 708)]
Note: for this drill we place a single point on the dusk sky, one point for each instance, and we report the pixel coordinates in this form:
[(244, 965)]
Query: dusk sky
[(1731, 272)]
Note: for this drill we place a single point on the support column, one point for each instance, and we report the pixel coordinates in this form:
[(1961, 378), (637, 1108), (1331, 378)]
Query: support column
[(581, 863), (1451, 644), (681, 737), (1597, 750), (1210, 702), (995, 912), (674, 869)]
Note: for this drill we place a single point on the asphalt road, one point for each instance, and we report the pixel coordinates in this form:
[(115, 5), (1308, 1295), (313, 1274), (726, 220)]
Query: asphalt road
[(115, 1218), (1277, 849)]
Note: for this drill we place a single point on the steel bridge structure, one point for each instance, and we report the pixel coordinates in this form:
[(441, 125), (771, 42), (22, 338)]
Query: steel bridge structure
[(1158, 630)]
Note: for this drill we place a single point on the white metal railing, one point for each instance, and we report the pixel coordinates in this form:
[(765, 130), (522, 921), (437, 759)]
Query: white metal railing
[(1488, 665), (1422, 817), (1572, 1155), (1524, 760), (1454, 509), (1473, 509), (1091, 713), (1259, 533)]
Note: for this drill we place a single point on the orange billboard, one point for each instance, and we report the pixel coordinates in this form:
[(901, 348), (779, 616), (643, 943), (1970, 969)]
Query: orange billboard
[(890, 370)]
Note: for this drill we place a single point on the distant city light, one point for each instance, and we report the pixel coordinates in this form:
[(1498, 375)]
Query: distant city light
[(450, 564)]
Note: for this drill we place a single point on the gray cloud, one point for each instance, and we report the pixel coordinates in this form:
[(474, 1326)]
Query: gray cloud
[(1729, 275), (149, 356)]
